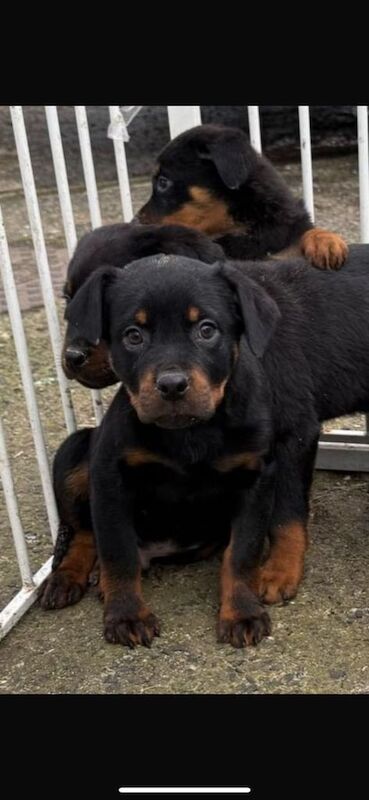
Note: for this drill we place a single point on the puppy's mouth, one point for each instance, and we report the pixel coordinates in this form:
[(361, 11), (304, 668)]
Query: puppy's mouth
[(98, 382), (176, 421), (97, 379)]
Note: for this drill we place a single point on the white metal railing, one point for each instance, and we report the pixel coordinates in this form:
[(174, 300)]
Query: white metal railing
[(27, 595), (350, 450), (254, 127), (181, 118), (66, 208), (20, 342), (121, 161), (363, 150), (306, 164), (31, 199), (30, 583)]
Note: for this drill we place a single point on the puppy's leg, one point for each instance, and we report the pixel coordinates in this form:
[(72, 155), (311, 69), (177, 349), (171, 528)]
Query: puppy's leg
[(69, 579), (127, 619), (242, 618), (75, 551), (279, 577)]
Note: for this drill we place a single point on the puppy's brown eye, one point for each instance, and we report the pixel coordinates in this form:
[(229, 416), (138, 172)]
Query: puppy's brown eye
[(208, 330), (132, 337), (163, 183)]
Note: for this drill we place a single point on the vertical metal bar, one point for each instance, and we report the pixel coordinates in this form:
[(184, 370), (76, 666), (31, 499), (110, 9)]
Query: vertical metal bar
[(93, 204), (88, 165), (254, 127), (13, 512), (363, 158), (66, 209), (181, 118), (306, 163), (61, 178), (30, 194), (363, 155), (121, 161), (26, 376)]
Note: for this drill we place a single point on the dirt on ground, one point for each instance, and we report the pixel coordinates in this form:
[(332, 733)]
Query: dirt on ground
[(320, 640)]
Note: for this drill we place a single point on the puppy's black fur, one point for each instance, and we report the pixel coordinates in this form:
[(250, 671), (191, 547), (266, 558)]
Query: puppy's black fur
[(212, 179), (117, 245), (227, 372)]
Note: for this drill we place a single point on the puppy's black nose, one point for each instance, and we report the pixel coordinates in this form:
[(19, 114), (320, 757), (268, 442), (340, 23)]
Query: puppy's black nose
[(172, 385), (75, 357)]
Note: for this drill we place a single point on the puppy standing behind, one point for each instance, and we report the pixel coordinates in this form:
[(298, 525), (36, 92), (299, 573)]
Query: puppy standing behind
[(227, 372), (210, 178)]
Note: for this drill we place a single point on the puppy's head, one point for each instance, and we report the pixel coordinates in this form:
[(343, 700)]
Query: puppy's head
[(118, 245), (198, 179), (173, 327)]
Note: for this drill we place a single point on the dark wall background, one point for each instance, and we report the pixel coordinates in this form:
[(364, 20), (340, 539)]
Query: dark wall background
[(333, 130)]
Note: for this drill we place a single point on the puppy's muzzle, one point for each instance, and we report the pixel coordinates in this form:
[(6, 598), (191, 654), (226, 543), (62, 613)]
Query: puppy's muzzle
[(172, 385)]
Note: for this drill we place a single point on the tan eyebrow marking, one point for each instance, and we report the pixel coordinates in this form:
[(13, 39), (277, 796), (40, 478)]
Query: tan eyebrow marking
[(141, 316), (193, 313)]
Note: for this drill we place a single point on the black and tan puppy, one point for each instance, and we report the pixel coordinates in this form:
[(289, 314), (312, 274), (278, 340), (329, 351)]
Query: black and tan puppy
[(227, 371), (118, 245), (212, 179)]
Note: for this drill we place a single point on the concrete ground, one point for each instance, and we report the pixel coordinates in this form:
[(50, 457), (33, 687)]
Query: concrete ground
[(319, 642)]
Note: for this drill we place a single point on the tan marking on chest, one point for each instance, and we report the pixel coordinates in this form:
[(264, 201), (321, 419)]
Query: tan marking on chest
[(138, 457), (250, 461)]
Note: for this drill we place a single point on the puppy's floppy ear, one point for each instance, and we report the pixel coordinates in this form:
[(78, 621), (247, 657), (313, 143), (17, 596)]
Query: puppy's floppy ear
[(232, 156), (259, 311), (86, 311)]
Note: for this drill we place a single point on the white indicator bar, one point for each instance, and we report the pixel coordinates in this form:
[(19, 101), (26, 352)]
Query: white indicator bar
[(185, 789)]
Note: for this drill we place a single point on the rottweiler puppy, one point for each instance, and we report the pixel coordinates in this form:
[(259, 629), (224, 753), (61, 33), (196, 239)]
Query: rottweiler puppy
[(117, 245), (212, 179), (227, 371)]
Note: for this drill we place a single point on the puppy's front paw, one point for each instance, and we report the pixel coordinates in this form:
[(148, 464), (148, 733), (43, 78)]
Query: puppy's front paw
[(130, 628), (59, 590), (243, 626), (324, 249), (274, 583)]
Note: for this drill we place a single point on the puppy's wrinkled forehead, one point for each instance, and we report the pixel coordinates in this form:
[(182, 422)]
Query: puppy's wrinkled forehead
[(166, 285)]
